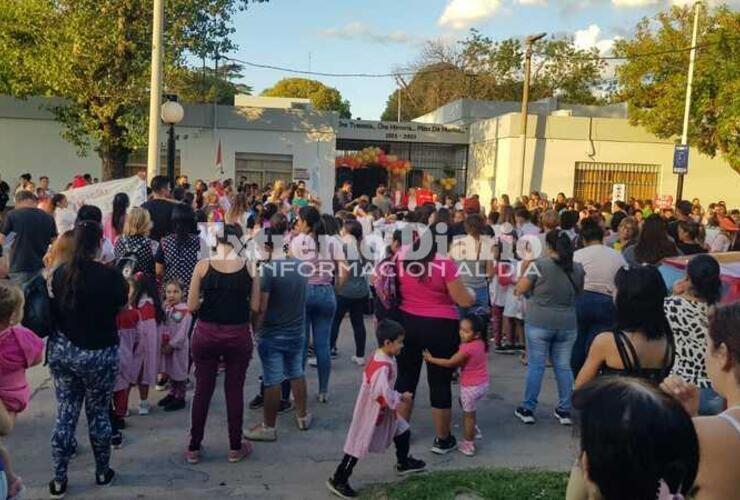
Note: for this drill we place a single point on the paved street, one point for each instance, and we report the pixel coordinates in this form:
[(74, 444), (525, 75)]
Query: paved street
[(151, 464)]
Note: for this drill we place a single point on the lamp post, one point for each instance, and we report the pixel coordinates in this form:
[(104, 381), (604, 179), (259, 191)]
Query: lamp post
[(172, 113), (529, 41), (687, 103), (155, 89)]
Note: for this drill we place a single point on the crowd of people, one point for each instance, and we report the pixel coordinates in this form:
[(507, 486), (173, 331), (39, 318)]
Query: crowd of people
[(192, 282)]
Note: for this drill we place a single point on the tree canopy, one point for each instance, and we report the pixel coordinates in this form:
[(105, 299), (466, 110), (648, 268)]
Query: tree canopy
[(480, 68), (322, 97), (654, 87), (96, 55)]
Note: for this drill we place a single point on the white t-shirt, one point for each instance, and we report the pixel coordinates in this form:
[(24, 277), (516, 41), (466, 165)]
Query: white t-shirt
[(601, 264)]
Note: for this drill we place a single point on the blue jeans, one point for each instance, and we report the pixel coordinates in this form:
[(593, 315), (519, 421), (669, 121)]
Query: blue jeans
[(321, 303), (596, 313), (482, 306), (282, 358), (559, 344)]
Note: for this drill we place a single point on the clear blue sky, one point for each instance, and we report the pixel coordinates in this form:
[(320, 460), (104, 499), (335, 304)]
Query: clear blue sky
[(378, 35)]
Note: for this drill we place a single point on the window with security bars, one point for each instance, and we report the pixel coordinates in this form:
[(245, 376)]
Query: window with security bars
[(594, 181), (137, 162)]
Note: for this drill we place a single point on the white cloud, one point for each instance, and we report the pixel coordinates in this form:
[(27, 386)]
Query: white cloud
[(532, 2), (634, 3), (589, 38), (461, 14), (361, 31)]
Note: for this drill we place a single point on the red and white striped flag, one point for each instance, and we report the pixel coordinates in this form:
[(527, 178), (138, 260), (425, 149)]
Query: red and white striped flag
[(219, 159)]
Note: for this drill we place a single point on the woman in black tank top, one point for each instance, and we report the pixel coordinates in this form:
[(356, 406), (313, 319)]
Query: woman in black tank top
[(221, 290), (641, 345)]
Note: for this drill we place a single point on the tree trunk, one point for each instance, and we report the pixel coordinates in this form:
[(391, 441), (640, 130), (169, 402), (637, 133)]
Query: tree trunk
[(114, 162)]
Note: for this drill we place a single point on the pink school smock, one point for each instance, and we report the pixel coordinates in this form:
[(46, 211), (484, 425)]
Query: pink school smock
[(139, 346), (374, 421), (175, 333), (20, 349)]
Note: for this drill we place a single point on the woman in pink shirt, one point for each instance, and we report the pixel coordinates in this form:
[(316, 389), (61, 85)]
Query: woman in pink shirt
[(430, 289)]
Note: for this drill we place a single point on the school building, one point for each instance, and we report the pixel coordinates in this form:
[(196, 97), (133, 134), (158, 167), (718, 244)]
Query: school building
[(582, 151)]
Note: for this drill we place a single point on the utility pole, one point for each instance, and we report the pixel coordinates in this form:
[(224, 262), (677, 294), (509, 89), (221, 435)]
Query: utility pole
[(687, 104), (525, 104), (155, 90), (399, 104)]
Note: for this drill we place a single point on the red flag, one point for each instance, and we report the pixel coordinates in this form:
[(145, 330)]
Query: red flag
[(219, 159)]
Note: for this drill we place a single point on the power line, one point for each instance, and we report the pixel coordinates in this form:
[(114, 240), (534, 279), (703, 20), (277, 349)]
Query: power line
[(407, 72)]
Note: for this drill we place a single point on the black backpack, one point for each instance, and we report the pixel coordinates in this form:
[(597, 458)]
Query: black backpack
[(37, 315)]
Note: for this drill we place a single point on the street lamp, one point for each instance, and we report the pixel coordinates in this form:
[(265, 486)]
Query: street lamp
[(529, 41), (172, 113)]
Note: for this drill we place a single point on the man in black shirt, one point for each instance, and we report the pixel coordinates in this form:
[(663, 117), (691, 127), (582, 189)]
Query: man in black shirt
[(683, 213), (33, 230), (160, 208)]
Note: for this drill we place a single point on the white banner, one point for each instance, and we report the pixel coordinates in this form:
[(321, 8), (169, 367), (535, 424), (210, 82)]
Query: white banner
[(101, 194)]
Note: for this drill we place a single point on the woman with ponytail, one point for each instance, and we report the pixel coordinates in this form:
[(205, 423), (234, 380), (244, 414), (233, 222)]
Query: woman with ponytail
[(687, 313), (323, 264), (83, 352), (551, 284)]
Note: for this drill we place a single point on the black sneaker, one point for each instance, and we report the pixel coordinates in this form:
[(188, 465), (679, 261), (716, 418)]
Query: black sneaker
[(444, 446), (106, 478), (286, 406), (333, 353), (257, 402), (57, 489), (505, 349), (563, 417), (342, 490), (524, 415), (410, 466), (116, 440), (165, 400), (175, 404)]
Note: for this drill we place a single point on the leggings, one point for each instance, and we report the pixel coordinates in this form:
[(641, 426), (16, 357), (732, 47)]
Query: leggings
[(356, 309), (347, 465), (81, 376), (440, 336)]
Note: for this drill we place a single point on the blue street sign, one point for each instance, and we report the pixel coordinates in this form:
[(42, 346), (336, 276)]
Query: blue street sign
[(681, 159)]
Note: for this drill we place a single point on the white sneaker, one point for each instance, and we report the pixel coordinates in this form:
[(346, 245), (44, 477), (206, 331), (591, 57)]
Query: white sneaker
[(359, 361), (313, 362), (144, 408), (322, 398), (478, 433)]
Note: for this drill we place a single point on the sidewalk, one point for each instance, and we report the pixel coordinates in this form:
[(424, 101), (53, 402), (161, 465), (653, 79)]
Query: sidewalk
[(151, 464)]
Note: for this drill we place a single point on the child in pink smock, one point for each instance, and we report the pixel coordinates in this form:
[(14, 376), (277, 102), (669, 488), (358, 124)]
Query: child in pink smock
[(375, 423), (139, 347), (472, 357), (175, 346), (20, 349)]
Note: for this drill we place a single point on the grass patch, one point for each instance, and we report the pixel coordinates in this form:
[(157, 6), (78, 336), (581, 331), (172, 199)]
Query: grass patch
[(493, 484)]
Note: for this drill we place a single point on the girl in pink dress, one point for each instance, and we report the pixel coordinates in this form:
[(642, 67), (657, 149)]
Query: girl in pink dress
[(472, 357), (375, 423), (139, 347), (20, 349), (175, 346)]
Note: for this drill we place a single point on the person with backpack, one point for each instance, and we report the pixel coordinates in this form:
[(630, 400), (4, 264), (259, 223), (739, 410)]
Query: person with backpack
[(83, 352), (550, 284), (134, 250)]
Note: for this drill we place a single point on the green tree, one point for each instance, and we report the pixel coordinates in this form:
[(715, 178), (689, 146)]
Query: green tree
[(206, 85), (482, 68), (96, 55), (322, 97), (654, 87)]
